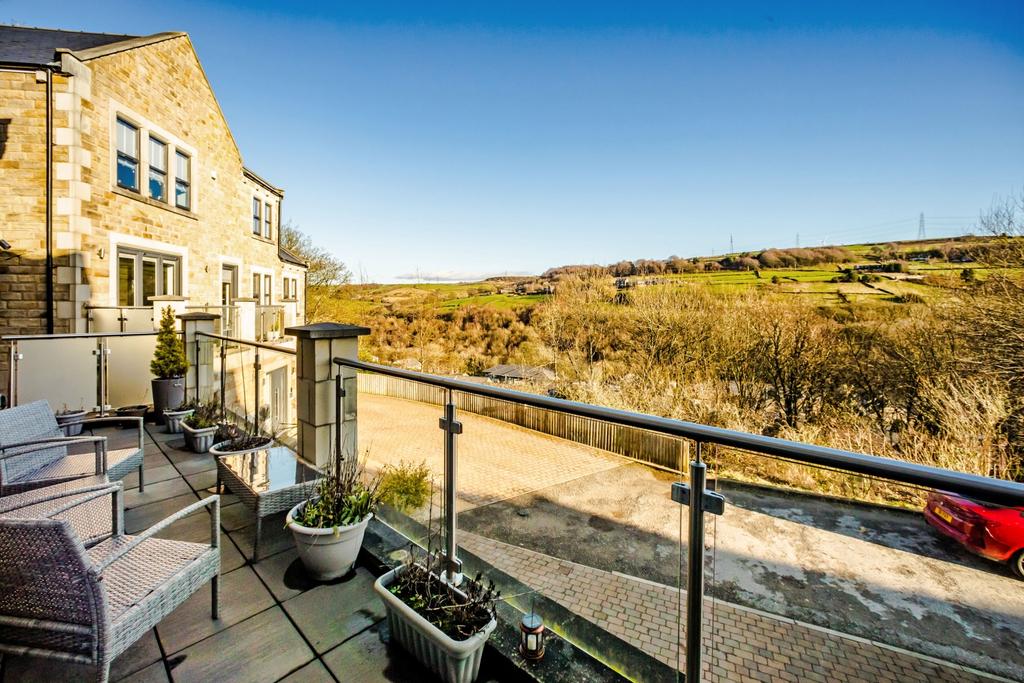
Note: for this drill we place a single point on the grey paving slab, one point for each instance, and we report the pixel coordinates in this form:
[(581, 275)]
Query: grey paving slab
[(154, 493), (144, 652), (284, 575), (153, 475), (196, 528), (236, 516), (316, 612), (154, 673), (137, 519), (368, 659), (275, 538), (262, 649), (241, 596), (314, 672), (155, 458), (206, 479)]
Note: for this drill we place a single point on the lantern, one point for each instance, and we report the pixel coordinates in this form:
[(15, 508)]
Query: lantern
[(531, 636)]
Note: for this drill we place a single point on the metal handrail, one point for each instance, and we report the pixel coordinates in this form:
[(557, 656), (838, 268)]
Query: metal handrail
[(235, 340), (985, 488), (77, 335)]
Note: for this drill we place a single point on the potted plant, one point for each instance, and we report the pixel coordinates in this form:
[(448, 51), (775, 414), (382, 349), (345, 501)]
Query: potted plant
[(175, 417), (201, 426), (328, 528), (444, 627), (169, 366), (249, 436), (70, 421)]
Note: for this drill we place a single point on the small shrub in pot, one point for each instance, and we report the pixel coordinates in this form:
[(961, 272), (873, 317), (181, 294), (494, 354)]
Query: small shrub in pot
[(168, 366)]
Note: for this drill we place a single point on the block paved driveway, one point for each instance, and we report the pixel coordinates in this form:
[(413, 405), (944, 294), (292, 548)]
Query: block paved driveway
[(805, 587)]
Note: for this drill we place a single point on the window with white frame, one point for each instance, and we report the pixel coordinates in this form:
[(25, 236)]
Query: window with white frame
[(182, 180), (267, 228), (141, 275), (157, 170), (127, 155)]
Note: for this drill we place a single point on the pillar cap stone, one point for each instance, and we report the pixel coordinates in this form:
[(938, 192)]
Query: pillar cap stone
[(327, 331), (244, 299), (198, 315), (167, 297)]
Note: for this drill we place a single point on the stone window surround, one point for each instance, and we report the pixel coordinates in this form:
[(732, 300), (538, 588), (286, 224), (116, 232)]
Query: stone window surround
[(236, 263), (173, 143), (130, 241)]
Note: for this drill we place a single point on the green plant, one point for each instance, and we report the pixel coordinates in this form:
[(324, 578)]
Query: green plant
[(204, 415), (244, 433), (405, 486), (169, 356), (459, 617), (342, 497)]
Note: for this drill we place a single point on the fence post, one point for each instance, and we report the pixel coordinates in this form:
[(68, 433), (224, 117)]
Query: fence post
[(200, 365), (320, 431), (452, 428)]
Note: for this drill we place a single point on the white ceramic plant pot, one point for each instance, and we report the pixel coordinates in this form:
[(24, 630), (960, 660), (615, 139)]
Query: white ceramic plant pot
[(326, 553), (454, 661), (71, 423), (173, 419), (223, 448)]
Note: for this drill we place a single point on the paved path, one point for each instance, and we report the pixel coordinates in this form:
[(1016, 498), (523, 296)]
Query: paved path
[(849, 568)]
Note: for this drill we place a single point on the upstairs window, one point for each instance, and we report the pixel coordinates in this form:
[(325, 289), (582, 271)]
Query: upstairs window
[(182, 181), (256, 204), (267, 231), (157, 170), (127, 155)]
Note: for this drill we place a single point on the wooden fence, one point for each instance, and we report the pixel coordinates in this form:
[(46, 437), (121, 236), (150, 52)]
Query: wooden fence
[(642, 445)]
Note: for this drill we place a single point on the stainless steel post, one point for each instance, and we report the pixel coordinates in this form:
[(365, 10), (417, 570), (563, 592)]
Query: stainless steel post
[(11, 372), (339, 414), (256, 388), (195, 360), (101, 370), (695, 568), (451, 427), (223, 374)]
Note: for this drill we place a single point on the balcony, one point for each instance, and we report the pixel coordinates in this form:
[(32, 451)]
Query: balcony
[(603, 522)]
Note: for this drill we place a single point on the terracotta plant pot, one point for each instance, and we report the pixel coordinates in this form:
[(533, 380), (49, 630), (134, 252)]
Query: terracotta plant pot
[(327, 553), (454, 661)]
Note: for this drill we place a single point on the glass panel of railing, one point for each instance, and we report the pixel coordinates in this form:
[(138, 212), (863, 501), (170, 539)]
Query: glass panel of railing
[(397, 427), (209, 371), (277, 408), (824, 571), (587, 538), (128, 375), (138, 319), (104, 320), (61, 370), (239, 382)]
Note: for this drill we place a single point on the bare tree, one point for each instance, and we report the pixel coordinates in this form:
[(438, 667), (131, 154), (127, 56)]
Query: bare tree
[(325, 270)]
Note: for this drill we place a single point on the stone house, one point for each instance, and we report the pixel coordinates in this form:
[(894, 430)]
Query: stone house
[(122, 191)]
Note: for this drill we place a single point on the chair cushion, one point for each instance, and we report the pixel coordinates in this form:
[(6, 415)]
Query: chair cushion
[(28, 422), (91, 521), (84, 464)]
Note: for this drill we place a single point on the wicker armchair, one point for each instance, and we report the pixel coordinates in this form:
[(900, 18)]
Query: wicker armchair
[(64, 602), (92, 518), (34, 451)]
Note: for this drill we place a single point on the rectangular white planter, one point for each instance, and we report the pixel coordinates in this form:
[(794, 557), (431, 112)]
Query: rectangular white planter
[(455, 661)]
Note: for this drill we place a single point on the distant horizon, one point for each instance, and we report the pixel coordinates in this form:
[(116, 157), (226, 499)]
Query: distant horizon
[(465, 139)]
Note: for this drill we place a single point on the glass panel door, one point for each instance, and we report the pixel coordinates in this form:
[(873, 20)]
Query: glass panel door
[(148, 280), (126, 280)]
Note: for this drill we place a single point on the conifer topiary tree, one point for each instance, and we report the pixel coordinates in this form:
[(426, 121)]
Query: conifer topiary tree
[(169, 357)]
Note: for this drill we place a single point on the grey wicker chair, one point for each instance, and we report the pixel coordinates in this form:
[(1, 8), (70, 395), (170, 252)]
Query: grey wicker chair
[(63, 602), (34, 451), (92, 518)]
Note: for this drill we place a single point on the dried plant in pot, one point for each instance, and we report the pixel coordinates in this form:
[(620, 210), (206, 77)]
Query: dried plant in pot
[(243, 436), (201, 426), (168, 366), (444, 627), (328, 528)]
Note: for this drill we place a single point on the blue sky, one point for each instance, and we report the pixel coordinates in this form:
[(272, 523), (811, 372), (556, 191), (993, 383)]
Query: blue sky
[(451, 140)]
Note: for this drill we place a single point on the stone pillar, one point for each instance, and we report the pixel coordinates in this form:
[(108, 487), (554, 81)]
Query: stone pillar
[(177, 304), (200, 370), (246, 319), (315, 403)]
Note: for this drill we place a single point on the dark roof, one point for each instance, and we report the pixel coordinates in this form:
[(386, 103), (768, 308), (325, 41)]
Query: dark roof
[(289, 257), (38, 46), (520, 372)]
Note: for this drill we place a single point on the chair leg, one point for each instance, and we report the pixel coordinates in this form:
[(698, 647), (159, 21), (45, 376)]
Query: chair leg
[(103, 671), (256, 539), (215, 592), (142, 484)]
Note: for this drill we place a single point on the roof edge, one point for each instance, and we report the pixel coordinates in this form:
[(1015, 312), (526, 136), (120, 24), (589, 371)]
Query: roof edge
[(121, 45), (259, 180)]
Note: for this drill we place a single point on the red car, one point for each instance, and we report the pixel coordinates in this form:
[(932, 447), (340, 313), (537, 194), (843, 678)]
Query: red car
[(996, 533)]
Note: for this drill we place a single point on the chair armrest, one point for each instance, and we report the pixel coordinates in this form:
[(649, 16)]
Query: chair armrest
[(24, 447), (163, 524), (99, 489)]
